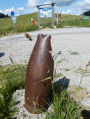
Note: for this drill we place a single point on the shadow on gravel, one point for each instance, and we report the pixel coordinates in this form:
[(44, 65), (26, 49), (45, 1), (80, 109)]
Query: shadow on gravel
[(62, 83), (1, 54), (85, 114)]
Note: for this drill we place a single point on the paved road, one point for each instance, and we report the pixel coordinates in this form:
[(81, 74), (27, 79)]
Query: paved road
[(58, 31), (74, 43)]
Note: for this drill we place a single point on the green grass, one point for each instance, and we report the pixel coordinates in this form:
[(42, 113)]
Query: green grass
[(74, 20), (57, 75), (73, 52), (62, 59), (64, 107), (23, 23), (67, 69), (11, 72), (12, 79), (84, 72)]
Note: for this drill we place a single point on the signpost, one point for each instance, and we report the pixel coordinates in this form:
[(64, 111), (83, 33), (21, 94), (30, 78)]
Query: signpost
[(60, 15), (14, 19), (52, 5), (84, 18), (46, 12)]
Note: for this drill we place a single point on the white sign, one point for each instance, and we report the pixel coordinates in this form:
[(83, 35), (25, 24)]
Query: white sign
[(14, 19), (45, 12)]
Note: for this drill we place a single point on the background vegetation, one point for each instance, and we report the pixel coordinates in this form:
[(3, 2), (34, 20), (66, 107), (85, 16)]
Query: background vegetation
[(87, 13), (23, 23), (3, 15)]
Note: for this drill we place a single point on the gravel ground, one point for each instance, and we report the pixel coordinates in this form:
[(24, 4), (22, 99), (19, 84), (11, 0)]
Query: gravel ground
[(74, 44), (22, 113)]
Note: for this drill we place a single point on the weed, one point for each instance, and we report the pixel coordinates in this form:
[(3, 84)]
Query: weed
[(59, 61), (64, 106), (73, 53), (84, 72), (79, 69), (67, 69), (88, 96), (58, 75), (63, 59), (11, 60)]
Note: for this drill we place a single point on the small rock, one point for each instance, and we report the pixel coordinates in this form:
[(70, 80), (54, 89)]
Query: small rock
[(86, 101)]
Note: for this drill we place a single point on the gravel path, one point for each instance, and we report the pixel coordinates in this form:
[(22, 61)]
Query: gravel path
[(74, 43)]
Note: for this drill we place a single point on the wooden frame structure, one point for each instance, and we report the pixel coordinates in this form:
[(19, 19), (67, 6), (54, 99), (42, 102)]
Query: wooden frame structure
[(52, 6)]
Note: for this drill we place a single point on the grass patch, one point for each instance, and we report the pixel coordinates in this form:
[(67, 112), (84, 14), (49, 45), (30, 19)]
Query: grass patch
[(73, 53), (11, 72), (88, 96), (84, 72), (64, 107), (12, 79), (58, 75), (67, 69), (27, 28), (60, 61), (23, 23)]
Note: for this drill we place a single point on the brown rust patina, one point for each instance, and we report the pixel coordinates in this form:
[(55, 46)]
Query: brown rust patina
[(39, 75)]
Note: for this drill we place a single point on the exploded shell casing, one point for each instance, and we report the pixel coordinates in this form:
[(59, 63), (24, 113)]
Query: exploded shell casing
[(39, 76)]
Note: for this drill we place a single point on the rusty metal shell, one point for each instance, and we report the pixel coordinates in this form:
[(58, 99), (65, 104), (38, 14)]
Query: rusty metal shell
[(39, 75)]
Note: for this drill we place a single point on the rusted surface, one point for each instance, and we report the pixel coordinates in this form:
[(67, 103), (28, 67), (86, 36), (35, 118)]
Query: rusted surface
[(39, 76)]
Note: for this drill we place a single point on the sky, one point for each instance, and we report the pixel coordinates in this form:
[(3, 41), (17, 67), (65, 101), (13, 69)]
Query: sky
[(20, 7)]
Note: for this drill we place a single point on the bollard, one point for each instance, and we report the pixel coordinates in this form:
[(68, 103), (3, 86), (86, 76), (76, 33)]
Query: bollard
[(32, 22), (39, 76)]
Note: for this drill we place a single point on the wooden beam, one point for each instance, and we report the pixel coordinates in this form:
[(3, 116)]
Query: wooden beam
[(46, 4)]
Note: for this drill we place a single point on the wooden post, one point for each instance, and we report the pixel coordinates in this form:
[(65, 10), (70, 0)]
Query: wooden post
[(80, 23), (57, 18), (38, 17), (66, 22), (52, 5), (60, 18), (28, 22), (38, 7)]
